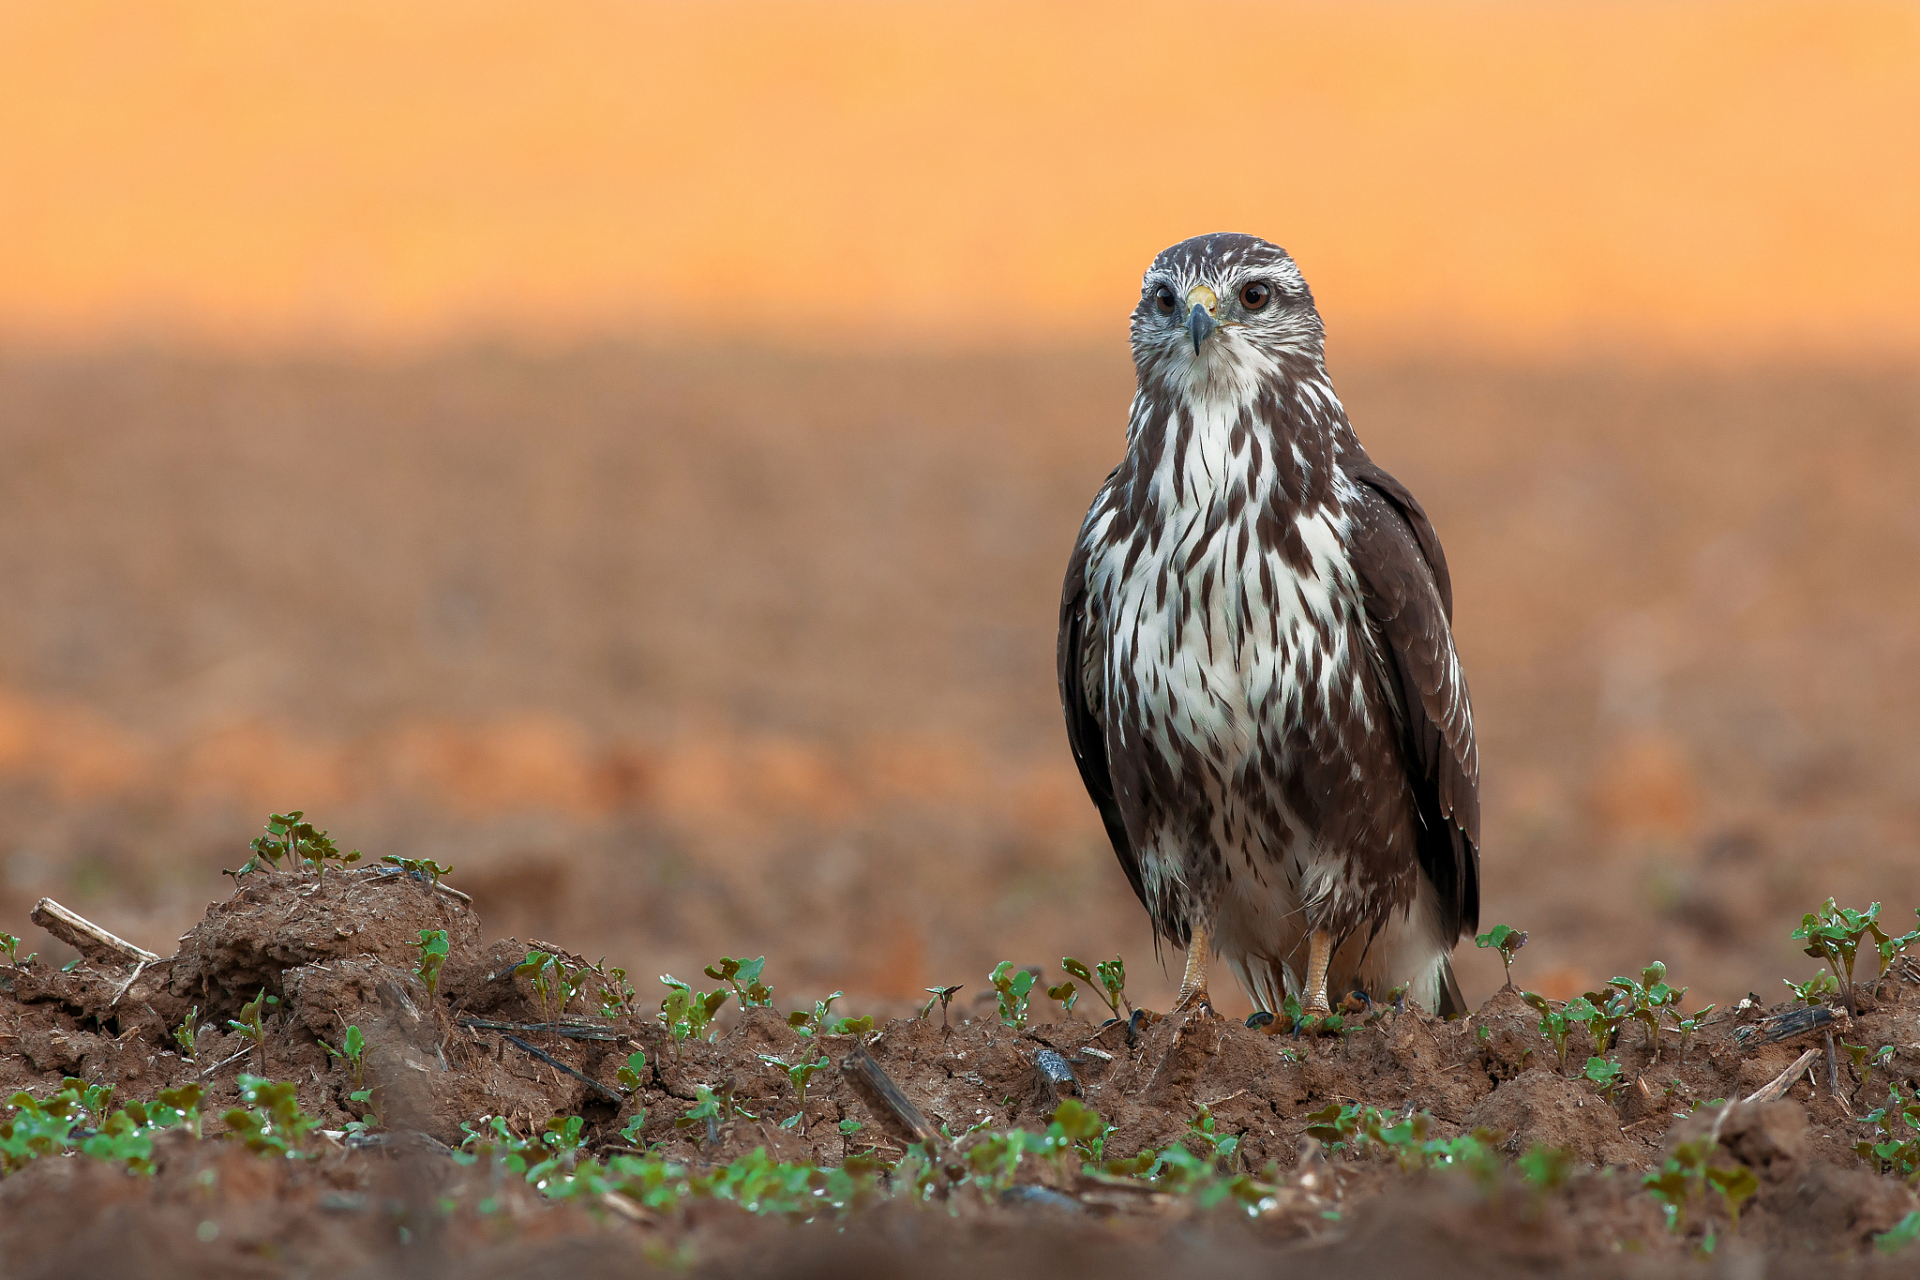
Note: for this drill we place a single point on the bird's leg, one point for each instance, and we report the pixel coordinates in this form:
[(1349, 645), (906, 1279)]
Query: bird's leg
[(1319, 955), (1193, 985)]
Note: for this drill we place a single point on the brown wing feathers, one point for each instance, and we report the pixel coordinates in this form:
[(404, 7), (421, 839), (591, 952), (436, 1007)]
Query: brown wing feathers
[(1086, 733), (1409, 600)]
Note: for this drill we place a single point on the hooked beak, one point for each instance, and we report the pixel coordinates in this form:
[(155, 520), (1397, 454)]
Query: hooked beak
[(1200, 321)]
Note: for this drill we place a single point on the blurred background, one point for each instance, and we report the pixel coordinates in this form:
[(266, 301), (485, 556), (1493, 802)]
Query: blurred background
[(629, 450)]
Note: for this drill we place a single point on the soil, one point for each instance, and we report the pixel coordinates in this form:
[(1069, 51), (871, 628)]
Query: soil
[(682, 653), (675, 654), (339, 950)]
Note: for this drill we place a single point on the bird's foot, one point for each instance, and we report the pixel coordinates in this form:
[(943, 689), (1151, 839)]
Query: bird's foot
[(1196, 1001), (1308, 1023)]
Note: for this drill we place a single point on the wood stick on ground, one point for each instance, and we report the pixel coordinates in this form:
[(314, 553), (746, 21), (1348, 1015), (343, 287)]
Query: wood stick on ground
[(1792, 1025), (571, 1030), (86, 937), (558, 1065), (394, 873), (1777, 1087), (227, 1062), (860, 1065)]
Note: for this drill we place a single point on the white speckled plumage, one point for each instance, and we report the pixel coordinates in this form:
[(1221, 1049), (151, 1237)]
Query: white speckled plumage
[(1249, 605)]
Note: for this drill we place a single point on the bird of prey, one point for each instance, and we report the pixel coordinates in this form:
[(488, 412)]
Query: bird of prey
[(1256, 659)]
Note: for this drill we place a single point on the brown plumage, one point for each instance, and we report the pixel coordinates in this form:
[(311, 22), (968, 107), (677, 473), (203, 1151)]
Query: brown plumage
[(1256, 658)]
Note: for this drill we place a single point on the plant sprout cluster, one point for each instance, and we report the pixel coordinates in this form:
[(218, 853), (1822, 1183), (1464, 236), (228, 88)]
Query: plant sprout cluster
[(1648, 1000), (76, 1120), (1834, 934), (299, 842)]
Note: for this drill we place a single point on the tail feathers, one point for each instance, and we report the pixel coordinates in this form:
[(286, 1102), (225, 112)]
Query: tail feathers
[(1452, 1003)]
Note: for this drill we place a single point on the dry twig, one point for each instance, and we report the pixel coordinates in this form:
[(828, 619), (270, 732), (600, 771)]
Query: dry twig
[(558, 1065), (860, 1065), (86, 937)]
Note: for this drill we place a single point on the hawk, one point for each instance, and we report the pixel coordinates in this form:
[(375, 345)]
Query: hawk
[(1256, 659)]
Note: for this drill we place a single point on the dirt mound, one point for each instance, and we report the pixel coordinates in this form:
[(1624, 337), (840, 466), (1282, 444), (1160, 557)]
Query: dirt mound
[(1474, 1145)]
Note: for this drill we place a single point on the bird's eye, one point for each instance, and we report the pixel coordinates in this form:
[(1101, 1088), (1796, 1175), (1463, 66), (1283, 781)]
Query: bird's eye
[(1163, 300), (1255, 296)]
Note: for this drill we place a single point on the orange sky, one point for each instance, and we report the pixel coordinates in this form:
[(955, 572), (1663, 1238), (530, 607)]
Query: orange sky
[(1524, 177)]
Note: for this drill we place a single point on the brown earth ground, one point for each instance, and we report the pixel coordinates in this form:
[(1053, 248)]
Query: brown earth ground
[(338, 951), (676, 654), (681, 654)]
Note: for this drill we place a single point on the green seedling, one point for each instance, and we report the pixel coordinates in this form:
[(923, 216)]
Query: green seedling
[(48, 1127), (1015, 987), (1891, 949), (1506, 941), (554, 979), (1898, 1149), (1689, 1171), (1612, 1009), (352, 1051), (1815, 990), (1865, 1060), (38, 1129), (707, 1108), (1107, 979), (634, 1073), (188, 1033), (1067, 994), (688, 1014), (368, 1120), (1224, 1146), (10, 948), (797, 1075), (547, 1161), (1545, 1168), (1607, 1076), (171, 1109), (425, 870), (76, 1119), (289, 836), (617, 995), (1353, 1127), (983, 1162), (1076, 1138), (1557, 1024), (1900, 1235), (1081, 1125), (555, 1163), (270, 1120), (251, 1023), (1834, 933), (1345, 1127), (433, 947), (943, 996), (1647, 999), (630, 1131), (822, 1021), (1688, 1025), (744, 977), (1475, 1153)]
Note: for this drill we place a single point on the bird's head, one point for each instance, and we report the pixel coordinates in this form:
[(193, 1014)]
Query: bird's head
[(1224, 311)]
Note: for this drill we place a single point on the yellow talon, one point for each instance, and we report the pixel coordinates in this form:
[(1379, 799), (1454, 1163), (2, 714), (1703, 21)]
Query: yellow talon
[(1193, 984), (1319, 956)]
